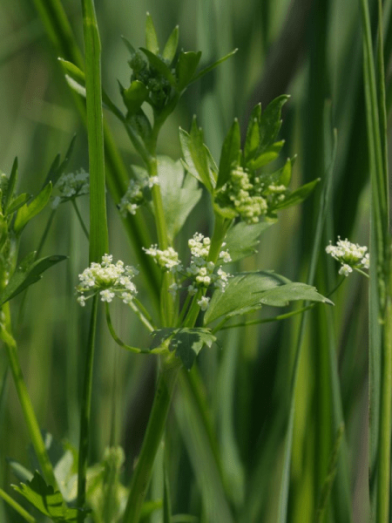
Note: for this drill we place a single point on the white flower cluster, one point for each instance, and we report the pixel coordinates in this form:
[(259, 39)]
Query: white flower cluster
[(109, 280), (249, 197), (70, 186), (350, 255), (134, 196), (201, 270)]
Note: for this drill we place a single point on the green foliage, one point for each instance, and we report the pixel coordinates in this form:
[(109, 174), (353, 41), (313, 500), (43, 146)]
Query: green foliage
[(29, 271), (27, 212), (242, 239), (47, 500), (230, 154), (185, 342)]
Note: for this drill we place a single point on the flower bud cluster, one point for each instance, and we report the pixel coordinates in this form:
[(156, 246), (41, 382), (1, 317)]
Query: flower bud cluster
[(135, 197), (109, 279), (350, 255), (201, 271), (70, 186), (249, 197), (158, 86)]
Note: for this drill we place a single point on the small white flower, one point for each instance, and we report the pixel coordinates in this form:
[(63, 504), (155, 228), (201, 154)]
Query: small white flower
[(154, 180), (107, 295), (81, 300), (107, 259), (350, 255), (203, 303), (173, 289), (345, 270)]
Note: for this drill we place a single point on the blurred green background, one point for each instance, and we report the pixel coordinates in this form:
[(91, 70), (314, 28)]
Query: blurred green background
[(307, 48)]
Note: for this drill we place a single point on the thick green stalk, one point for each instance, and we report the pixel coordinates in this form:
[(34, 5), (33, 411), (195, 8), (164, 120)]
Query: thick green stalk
[(141, 477), (24, 398), (86, 410)]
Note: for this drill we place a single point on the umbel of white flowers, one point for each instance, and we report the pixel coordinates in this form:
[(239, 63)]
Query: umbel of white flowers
[(351, 255), (71, 185), (134, 197), (108, 279), (201, 271)]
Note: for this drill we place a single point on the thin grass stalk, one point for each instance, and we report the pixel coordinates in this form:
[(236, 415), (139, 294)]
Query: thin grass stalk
[(99, 239), (324, 204), (18, 508), (380, 346)]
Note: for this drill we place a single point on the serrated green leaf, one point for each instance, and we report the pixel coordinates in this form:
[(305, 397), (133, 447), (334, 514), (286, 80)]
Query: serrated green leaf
[(170, 49), (151, 36), (27, 273), (242, 239), (186, 67), (298, 196), (157, 63), (187, 343), (18, 202), (48, 501), (270, 122), (230, 153), (134, 96), (293, 291), (27, 212), (180, 194), (211, 67), (11, 185), (242, 294), (252, 140), (197, 156), (267, 156)]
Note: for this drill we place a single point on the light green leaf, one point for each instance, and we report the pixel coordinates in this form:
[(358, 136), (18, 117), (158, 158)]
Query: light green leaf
[(21, 472), (141, 125), (242, 294), (197, 156), (209, 68), (186, 67), (27, 212), (242, 239), (171, 45), (187, 343), (267, 156), (48, 501), (151, 36), (292, 291), (158, 64), (298, 196), (252, 139), (230, 154), (27, 273), (180, 194), (270, 122), (18, 202)]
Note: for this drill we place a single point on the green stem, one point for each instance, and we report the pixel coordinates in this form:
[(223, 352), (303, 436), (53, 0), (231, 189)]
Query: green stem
[(142, 317), (82, 224), (24, 398), (156, 425), (18, 508), (86, 410)]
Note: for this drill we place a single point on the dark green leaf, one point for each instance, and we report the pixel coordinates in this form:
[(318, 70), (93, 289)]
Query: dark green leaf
[(230, 153), (242, 294), (242, 239), (158, 64), (197, 156), (151, 36), (128, 45), (180, 194), (11, 185), (187, 343), (298, 196), (57, 168), (141, 124), (134, 96), (27, 212), (18, 202), (27, 273), (212, 66), (48, 501), (270, 122), (293, 291), (252, 139), (166, 497), (186, 68), (267, 156), (171, 45)]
